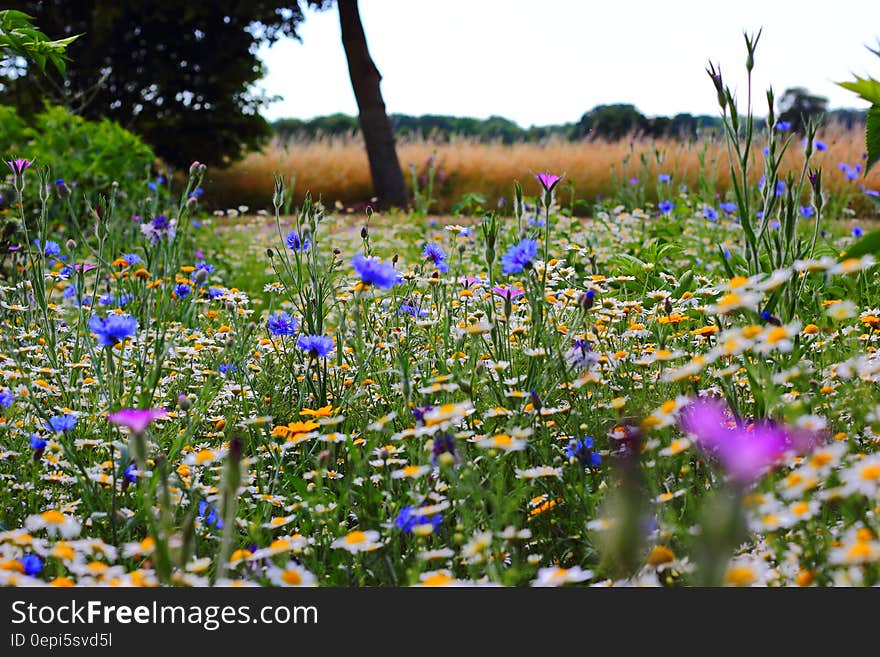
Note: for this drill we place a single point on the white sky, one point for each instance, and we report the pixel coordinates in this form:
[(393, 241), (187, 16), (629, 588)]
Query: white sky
[(549, 61)]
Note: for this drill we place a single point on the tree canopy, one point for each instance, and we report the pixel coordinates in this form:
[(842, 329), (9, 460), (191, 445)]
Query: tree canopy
[(180, 74)]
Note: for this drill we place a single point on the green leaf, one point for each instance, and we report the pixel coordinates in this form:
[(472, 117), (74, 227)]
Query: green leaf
[(870, 243), (872, 137), (867, 88)]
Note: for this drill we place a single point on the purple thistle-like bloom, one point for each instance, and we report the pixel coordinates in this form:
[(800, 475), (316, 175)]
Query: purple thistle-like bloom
[(295, 243), (281, 323), (113, 329), (136, 419), (436, 253), (548, 180), (316, 346), (373, 271), (19, 165), (519, 256)]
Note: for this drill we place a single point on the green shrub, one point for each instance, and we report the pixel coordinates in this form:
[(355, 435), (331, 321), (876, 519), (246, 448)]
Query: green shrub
[(91, 154)]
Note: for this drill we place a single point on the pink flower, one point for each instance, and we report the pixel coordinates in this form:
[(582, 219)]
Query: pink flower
[(18, 165), (507, 293), (548, 180), (745, 452), (136, 419)]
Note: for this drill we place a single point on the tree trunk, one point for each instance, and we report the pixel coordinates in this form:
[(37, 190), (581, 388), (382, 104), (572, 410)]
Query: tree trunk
[(388, 183)]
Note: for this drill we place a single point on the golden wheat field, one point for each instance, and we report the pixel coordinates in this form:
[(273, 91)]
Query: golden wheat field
[(336, 168)]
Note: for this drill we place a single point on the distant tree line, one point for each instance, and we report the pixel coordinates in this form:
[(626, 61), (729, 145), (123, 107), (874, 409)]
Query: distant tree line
[(608, 122)]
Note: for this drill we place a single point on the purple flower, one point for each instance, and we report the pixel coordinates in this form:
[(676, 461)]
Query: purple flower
[(633, 181), (136, 419), (295, 243), (745, 452), (281, 323), (373, 271), (548, 180), (316, 346), (519, 256), (507, 293), (113, 329), (436, 253), (158, 228), (19, 165)]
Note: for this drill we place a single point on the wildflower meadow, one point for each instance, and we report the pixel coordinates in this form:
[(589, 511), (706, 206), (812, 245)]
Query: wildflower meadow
[(679, 389)]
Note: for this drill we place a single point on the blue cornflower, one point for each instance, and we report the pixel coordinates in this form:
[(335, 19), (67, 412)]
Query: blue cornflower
[(316, 346), (295, 242), (857, 231), (182, 290), (780, 188), (113, 329), (32, 564), (443, 444), (519, 257), (409, 517), (582, 450), (281, 323), (820, 146), (663, 177), (666, 206), (209, 268), (807, 211), (64, 273), (872, 192), (411, 309), (775, 225), (106, 299), (209, 513), (850, 173), (131, 258), (6, 398), (729, 208), (214, 292), (37, 444), (436, 253), (372, 271), (419, 413), (69, 292), (783, 126), (130, 474), (225, 368), (710, 213), (51, 248), (151, 185), (61, 423)]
